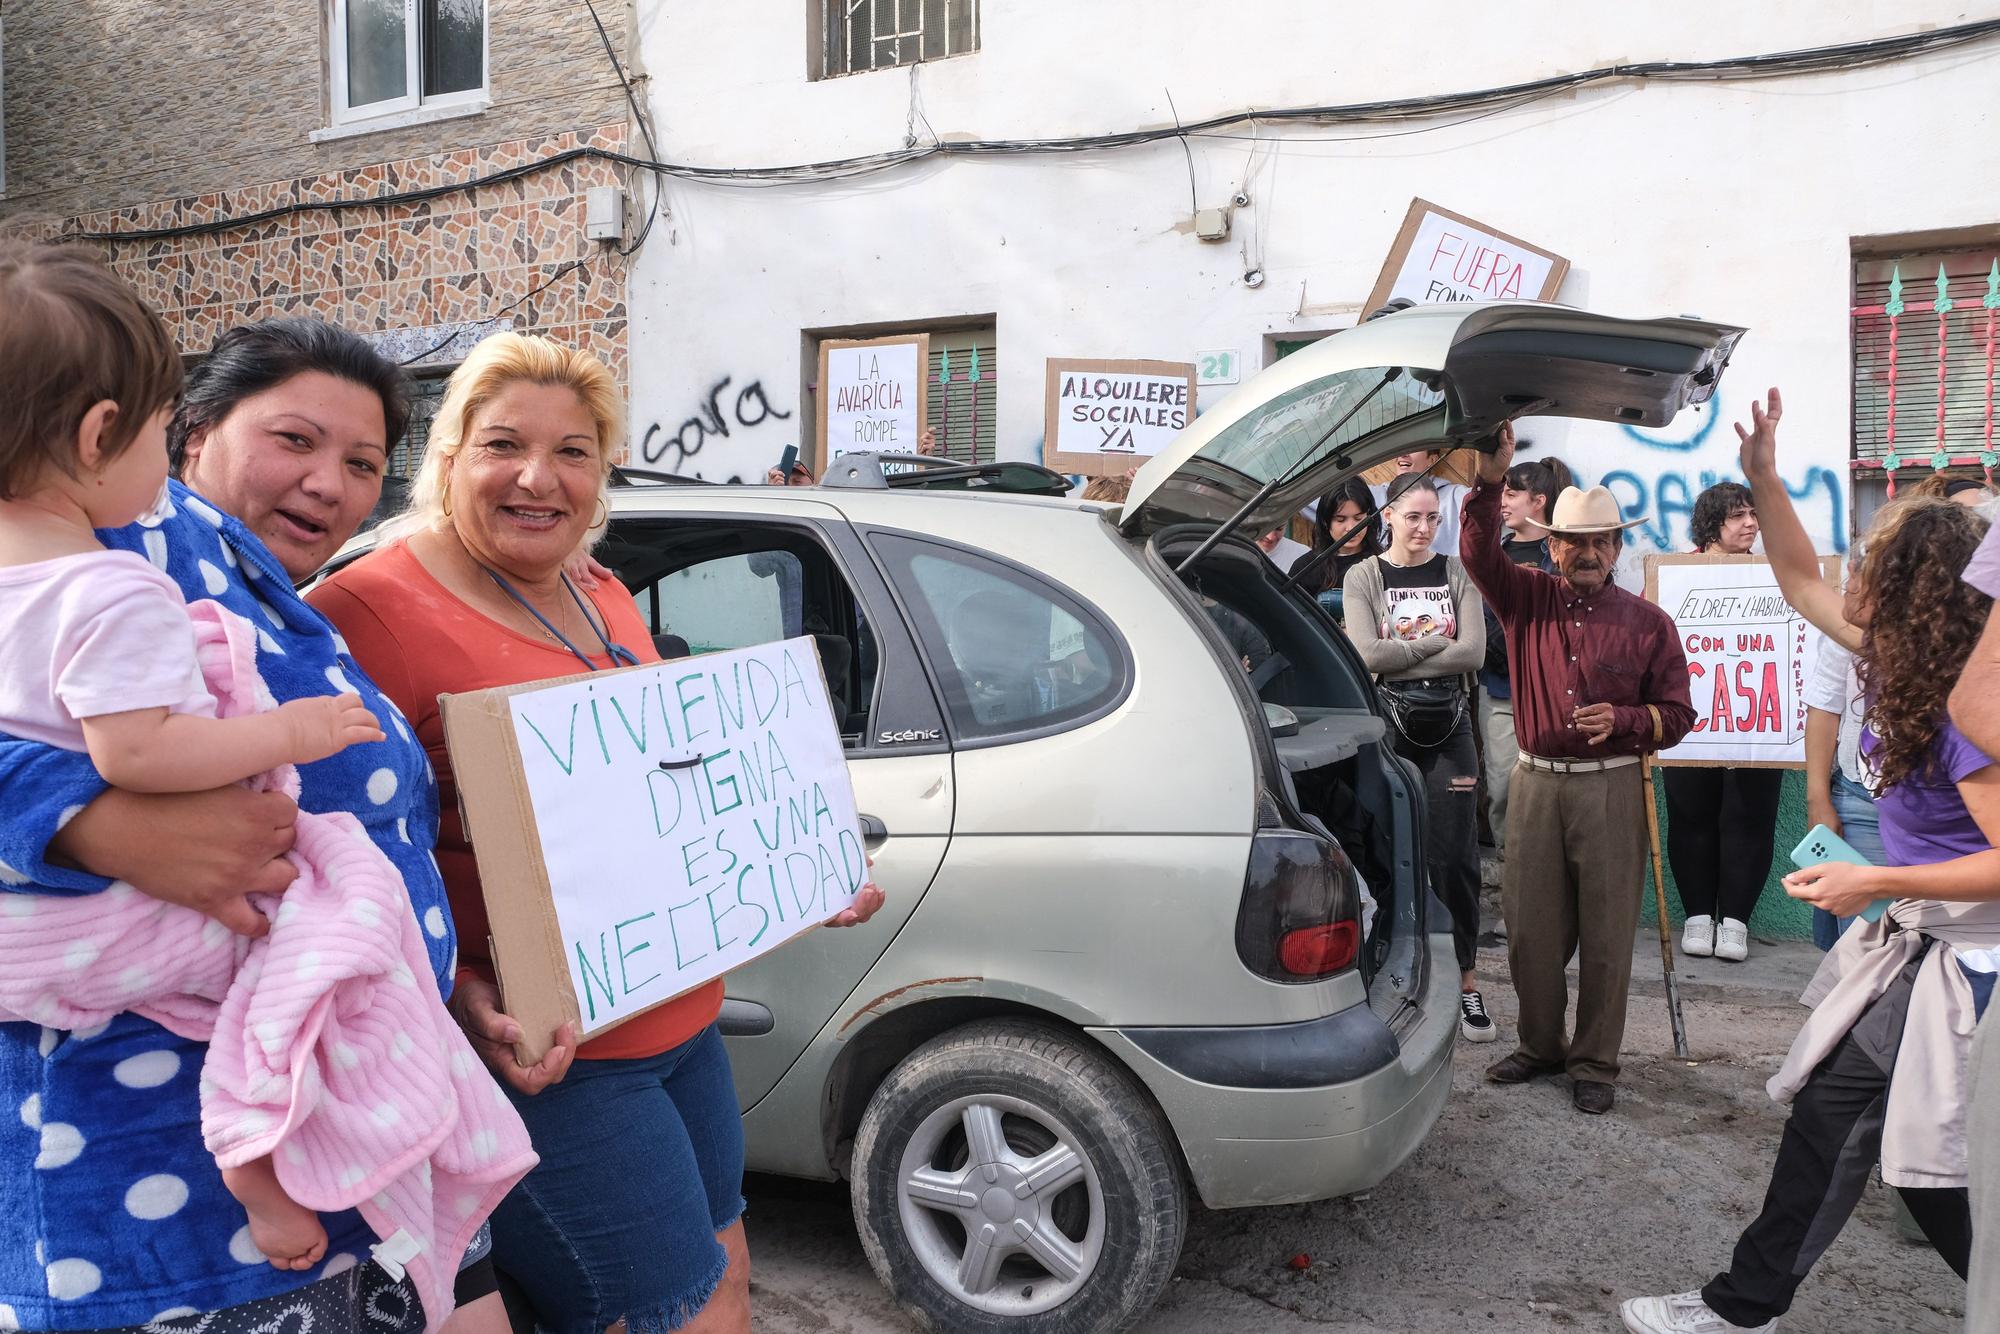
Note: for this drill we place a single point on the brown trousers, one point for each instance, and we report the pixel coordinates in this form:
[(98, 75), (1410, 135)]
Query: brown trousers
[(1576, 865)]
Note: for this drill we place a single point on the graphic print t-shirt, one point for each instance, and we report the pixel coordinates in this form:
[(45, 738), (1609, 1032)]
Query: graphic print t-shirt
[(1417, 601)]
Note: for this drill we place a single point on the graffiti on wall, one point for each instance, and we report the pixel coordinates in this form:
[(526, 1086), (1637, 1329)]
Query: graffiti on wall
[(722, 413), (1661, 477), (1667, 501)]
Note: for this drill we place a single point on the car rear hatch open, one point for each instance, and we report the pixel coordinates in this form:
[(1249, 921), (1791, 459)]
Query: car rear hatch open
[(1431, 377)]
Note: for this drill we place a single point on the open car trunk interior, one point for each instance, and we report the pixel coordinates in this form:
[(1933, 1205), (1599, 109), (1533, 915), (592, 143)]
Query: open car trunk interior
[(1326, 751)]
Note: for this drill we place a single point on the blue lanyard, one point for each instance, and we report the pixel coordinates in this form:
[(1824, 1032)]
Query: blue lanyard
[(618, 653)]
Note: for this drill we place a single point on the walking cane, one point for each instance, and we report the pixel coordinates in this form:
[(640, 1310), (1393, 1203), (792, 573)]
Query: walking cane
[(1660, 911)]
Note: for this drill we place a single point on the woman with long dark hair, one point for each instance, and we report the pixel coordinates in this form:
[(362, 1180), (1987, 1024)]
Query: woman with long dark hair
[(1338, 522), (1879, 1068)]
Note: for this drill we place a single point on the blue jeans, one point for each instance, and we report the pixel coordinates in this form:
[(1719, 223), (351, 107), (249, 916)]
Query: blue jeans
[(1861, 826), (642, 1164)]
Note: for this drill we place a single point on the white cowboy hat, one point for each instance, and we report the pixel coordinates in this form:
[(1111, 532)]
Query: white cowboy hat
[(1592, 511)]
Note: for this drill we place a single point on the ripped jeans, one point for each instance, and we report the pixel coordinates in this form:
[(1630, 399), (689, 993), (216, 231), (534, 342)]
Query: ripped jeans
[(1451, 830)]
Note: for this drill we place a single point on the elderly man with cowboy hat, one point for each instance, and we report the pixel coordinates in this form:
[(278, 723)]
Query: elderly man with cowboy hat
[(1599, 681)]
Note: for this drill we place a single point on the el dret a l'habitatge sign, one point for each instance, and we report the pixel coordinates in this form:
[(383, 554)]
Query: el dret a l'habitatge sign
[(1441, 256), (1106, 416), (643, 831), (1749, 655), (872, 395)]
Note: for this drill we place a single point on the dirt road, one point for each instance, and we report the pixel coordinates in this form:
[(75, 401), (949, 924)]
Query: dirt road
[(1517, 1213)]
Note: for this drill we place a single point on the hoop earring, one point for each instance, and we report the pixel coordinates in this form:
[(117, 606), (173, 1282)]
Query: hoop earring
[(603, 514), (447, 505)]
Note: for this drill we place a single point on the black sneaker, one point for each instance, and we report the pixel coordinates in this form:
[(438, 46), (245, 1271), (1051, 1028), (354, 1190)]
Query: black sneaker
[(1473, 1025)]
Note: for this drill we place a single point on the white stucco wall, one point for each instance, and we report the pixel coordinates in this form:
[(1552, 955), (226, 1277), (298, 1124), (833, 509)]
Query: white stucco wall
[(1733, 201)]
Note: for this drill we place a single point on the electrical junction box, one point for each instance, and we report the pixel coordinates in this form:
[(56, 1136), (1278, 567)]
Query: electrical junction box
[(604, 213), (1212, 224)]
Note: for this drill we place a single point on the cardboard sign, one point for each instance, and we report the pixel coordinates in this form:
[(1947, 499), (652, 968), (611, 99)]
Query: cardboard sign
[(1749, 655), (1106, 416), (872, 394), (643, 831), (1441, 256)]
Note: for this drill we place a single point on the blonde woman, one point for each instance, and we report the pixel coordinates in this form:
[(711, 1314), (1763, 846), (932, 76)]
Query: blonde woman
[(633, 1215)]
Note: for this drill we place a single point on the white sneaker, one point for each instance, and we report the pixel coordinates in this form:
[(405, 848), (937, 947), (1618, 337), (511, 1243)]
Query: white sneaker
[(1698, 940), (1732, 940), (1682, 1313)]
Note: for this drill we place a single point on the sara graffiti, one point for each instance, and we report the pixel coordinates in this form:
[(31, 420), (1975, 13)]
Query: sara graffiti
[(750, 408)]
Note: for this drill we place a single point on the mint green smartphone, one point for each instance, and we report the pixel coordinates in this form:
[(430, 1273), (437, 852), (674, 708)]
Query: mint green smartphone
[(1822, 845)]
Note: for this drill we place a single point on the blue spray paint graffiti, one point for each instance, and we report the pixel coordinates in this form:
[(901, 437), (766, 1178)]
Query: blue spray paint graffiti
[(1668, 503), (1705, 417)]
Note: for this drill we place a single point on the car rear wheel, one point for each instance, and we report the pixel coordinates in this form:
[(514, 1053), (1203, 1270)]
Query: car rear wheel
[(1010, 1177)]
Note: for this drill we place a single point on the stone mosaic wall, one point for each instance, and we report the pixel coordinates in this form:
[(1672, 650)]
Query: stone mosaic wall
[(513, 248)]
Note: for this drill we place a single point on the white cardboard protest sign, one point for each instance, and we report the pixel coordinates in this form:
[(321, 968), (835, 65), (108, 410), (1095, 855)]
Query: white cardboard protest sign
[(1439, 255), (1106, 416), (1749, 655), (643, 831), (872, 394)]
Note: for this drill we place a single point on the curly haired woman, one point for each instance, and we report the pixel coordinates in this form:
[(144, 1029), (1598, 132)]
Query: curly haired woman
[(1891, 999)]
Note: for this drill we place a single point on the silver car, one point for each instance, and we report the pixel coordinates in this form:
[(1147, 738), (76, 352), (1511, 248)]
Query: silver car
[(1156, 928)]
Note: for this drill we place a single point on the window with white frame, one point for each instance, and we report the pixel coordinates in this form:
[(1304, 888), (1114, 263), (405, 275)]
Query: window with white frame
[(394, 57), (855, 36)]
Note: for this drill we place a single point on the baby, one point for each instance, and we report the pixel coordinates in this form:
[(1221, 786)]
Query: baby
[(99, 653)]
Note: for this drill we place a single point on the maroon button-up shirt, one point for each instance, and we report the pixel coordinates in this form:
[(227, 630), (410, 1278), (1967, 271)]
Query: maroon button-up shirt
[(1565, 650)]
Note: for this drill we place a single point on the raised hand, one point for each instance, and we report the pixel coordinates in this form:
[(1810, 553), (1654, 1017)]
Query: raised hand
[(1493, 467), (324, 725), (1757, 451)]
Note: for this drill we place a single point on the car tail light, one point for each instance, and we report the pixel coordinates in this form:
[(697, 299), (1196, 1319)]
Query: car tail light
[(1315, 951), (1299, 919)]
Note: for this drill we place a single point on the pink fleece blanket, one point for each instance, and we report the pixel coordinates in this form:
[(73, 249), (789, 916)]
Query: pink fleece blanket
[(328, 1045)]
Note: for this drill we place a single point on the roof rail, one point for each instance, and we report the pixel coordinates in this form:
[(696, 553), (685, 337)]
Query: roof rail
[(873, 471), (623, 475)]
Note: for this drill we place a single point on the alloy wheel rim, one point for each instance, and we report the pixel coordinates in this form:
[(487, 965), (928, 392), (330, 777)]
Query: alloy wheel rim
[(1003, 1208)]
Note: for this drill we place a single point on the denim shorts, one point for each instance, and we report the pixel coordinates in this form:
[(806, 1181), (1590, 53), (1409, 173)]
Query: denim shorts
[(642, 1164)]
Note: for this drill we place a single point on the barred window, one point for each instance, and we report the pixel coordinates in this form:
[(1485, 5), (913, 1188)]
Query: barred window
[(962, 402), (855, 36), (426, 394), (1924, 328)]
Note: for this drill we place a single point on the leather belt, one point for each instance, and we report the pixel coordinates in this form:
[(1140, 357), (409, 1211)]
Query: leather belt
[(1577, 766)]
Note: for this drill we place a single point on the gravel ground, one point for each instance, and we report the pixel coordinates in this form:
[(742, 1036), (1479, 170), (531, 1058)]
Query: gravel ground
[(1516, 1214)]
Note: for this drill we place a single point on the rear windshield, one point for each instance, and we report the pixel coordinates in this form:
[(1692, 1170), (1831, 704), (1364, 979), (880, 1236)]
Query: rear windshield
[(1275, 440)]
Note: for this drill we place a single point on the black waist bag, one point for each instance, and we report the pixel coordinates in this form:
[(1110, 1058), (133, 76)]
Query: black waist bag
[(1426, 713)]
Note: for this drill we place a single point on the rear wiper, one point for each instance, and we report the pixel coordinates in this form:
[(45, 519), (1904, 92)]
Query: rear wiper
[(1264, 492)]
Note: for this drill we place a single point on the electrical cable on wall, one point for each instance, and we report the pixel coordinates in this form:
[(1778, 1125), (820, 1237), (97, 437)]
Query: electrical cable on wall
[(643, 120), (562, 271), (1482, 102)]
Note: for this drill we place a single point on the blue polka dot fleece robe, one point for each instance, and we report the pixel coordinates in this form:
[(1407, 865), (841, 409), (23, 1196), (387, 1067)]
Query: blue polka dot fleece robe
[(111, 1210)]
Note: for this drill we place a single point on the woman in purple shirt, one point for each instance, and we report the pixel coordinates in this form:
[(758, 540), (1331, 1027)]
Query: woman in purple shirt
[(1890, 999)]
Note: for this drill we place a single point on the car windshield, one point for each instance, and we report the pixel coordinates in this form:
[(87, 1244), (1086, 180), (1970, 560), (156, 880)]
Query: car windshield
[(1276, 440)]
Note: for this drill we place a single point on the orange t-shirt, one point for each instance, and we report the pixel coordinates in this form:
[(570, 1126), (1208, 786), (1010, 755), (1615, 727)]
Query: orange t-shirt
[(418, 640)]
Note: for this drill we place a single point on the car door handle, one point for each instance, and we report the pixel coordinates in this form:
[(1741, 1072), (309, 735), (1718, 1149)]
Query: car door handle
[(873, 830)]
